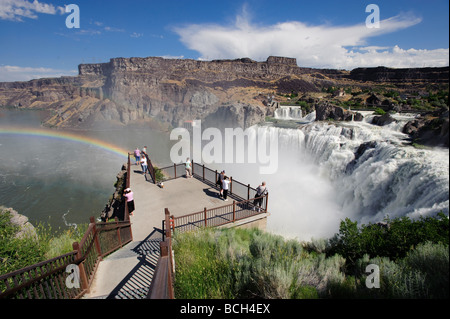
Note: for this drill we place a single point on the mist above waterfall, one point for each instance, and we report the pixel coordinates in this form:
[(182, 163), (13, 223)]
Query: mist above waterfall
[(328, 172)]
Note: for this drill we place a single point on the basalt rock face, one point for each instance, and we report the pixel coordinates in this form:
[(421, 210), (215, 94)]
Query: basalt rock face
[(405, 75), (172, 91), (429, 129), (127, 90), (326, 111)]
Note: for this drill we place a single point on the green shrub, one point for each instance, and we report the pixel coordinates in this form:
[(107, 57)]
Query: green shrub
[(379, 111), (394, 239), (250, 264), (17, 253), (159, 175), (431, 260), (412, 256)]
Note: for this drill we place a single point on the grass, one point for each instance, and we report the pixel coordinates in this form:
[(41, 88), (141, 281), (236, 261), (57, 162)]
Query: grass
[(17, 253), (250, 263), (237, 263)]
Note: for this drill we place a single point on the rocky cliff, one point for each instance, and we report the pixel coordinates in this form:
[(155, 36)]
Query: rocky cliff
[(171, 91), (398, 76)]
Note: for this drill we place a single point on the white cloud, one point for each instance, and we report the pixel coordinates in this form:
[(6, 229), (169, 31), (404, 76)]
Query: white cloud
[(15, 10), (322, 46), (176, 57), (113, 29), (10, 73), (136, 35)]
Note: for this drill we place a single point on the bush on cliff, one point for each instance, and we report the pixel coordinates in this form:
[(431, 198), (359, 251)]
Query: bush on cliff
[(20, 252), (412, 256)]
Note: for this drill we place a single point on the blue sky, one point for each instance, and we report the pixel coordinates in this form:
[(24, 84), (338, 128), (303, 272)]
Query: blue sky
[(35, 41)]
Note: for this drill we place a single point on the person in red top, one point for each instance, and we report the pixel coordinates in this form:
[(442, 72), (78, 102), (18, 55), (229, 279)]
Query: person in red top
[(130, 200)]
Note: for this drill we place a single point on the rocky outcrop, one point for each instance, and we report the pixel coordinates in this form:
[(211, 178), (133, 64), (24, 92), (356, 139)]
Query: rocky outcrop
[(429, 130), (326, 112), (24, 227), (405, 75), (115, 206), (382, 120), (169, 92), (128, 90)]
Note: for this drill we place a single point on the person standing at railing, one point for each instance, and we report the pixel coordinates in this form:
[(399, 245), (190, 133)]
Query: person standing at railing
[(220, 183), (188, 168), (137, 155), (144, 164), (225, 186), (130, 200), (261, 191)]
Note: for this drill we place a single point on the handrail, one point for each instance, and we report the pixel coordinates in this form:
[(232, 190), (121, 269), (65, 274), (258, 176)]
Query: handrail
[(221, 215), (48, 279), (241, 190), (161, 286), (150, 168)]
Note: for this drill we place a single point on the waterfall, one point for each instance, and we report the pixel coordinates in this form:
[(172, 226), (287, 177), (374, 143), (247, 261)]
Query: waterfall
[(289, 113), (328, 172)]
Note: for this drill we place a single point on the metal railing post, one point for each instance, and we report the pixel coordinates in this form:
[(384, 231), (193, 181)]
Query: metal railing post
[(167, 219), (96, 240), (215, 181), (206, 223), (234, 211), (118, 231), (83, 275)]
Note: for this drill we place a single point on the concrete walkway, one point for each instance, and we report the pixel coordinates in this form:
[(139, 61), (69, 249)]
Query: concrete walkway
[(127, 273)]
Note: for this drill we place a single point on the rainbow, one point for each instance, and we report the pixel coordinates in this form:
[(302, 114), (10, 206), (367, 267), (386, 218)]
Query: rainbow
[(67, 136)]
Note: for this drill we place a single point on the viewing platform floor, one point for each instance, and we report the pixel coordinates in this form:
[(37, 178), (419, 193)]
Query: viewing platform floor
[(127, 273)]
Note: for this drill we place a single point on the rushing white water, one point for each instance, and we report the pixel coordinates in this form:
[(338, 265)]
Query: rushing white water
[(288, 113), (328, 172)]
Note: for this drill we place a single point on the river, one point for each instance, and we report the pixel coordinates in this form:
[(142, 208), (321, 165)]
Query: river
[(318, 181), (63, 177)]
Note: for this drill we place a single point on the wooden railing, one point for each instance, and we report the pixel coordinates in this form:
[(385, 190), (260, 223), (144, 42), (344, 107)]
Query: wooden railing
[(52, 279), (218, 216), (243, 206), (240, 191), (162, 281), (70, 276)]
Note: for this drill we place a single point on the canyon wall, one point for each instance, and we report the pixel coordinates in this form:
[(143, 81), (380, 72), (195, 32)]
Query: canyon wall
[(172, 91)]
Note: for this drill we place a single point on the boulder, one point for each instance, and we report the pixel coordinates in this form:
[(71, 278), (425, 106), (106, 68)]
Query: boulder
[(384, 119), (25, 228), (326, 111)]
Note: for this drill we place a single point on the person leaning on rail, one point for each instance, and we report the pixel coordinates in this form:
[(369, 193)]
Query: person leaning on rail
[(261, 191)]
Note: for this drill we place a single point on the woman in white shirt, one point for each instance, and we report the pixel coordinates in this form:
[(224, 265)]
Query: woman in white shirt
[(188, 168), (225, 186), (144, 164)]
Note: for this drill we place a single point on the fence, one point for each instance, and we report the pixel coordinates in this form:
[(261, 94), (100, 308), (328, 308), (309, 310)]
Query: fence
[(162, 281), (243, 206), (48, 279), (52, 279), (218, 216), (239, 190)]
